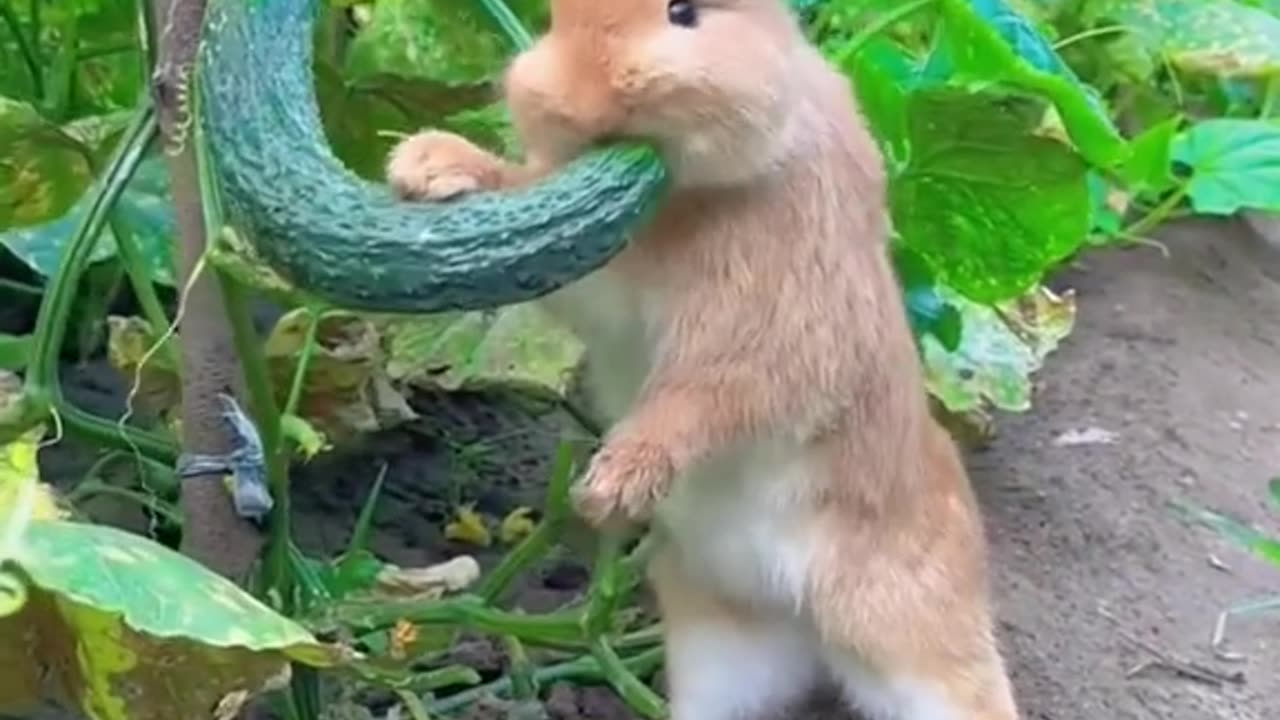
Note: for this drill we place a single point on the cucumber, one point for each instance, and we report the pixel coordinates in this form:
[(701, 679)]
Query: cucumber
[(350, 242)]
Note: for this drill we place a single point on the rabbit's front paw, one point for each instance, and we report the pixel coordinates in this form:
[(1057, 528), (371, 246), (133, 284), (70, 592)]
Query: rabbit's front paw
[(625, 481), (437, 165)]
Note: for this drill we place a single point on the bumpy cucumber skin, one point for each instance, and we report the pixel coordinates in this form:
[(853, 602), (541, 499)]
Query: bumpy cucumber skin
[(350, 242)]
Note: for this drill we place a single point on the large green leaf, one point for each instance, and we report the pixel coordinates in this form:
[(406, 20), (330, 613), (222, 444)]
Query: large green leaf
[(86, 51), (43, 170), (364, 118), (109, 65), (144, 211), (134, 631), (990, 205), (450, 41), (983, 42), (883, 77), (1220, 37), (415, 64), (1234, 164)]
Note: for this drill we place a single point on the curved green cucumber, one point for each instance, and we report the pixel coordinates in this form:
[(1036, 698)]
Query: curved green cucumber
[(350, 242)]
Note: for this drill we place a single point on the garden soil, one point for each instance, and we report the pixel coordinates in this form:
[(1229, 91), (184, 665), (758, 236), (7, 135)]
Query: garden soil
[(1167, 392)]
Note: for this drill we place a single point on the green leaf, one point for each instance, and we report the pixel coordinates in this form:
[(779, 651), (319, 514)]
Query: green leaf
[(1217, 37), (15, 352), (132, 629), (43, 170), (988, 204), (518, 345), (92, 56), (1237, 532), (364, 118), (984, 42), (1234, 164), (450, 41), (1150, 168), (144, 210), (883, 77), (355, 572), (346, 392), (1274, 487), (999, 350), (362, 533)]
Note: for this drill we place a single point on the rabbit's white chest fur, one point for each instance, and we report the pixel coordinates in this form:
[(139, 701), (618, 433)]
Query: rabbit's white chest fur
[(734, 518)]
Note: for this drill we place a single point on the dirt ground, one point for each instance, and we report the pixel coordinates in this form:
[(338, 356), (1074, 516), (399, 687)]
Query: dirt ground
[(1107, 599), (1179, 358)]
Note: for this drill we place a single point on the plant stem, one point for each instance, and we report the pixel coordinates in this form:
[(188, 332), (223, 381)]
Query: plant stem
[(605, 594), (140, 278), (21, 287), (105, 51), (55, 308), (304, 363), (147, 37), (524, 686), (584, 670), (266, 415), (543, 537), (562, 628), (37, 26), (882, 22), (510, 24), (1270, 98), (1158, 214), (42, 391), (1090, 33), (633, 692), (98, 431), (26, 46), (91, 488), (413, 705)]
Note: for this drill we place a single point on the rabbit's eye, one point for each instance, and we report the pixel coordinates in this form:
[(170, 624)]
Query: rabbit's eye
[(682, 12)]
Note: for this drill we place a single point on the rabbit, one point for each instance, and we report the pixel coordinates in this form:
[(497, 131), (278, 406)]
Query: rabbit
[(750, 346)]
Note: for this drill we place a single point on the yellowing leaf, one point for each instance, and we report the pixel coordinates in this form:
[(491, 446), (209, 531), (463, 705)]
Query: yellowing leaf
[(1001, 347), (132, 629), (518, 345), (19, 475), (429, 582), (346, 391), (1219, 37), (516, 525), (469, 527), (403, 636), (149, 374)]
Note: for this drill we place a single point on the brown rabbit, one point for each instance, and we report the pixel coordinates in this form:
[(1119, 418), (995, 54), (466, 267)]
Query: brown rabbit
[(752, 348)]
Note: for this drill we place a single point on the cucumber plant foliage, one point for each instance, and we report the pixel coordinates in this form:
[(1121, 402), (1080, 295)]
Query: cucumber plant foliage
[(1017, 135)]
